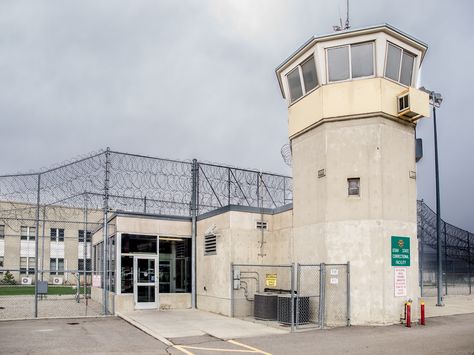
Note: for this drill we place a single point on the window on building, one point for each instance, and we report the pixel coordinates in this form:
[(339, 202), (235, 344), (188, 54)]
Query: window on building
[(350, 61), (98, 254), (127, 274), (175, 265), (399, 64), (80, 236), (27, 265), (80, 264), (27, 233), (57, 234), (302, 79), (136, 243), (2, 231), (353, 185), (1, 262), (56, 266)]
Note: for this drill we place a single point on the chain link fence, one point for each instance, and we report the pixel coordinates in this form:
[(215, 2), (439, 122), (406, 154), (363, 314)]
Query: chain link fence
[(297, 296), (456, 259), (47, 219)]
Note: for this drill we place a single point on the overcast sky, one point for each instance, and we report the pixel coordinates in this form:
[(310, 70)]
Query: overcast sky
[(195, 79)]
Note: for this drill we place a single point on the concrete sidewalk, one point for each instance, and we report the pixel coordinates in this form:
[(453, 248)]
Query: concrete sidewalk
[(452, 305), (190, 322)]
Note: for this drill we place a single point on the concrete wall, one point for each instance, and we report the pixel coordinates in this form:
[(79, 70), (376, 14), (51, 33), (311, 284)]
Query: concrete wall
[(337, 101), (332, 227), (239, 242)]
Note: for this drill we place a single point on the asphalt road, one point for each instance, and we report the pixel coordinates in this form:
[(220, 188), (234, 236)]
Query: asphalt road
[(442, 335)]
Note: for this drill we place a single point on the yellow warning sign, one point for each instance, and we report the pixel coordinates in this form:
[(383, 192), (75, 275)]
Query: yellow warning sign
[(271, 280)]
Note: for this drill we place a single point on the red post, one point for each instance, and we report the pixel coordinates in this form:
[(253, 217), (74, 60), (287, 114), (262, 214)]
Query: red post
[(422, 318), (408, 314)]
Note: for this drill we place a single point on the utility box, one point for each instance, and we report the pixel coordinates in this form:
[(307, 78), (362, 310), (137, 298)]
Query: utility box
[(42, 287)]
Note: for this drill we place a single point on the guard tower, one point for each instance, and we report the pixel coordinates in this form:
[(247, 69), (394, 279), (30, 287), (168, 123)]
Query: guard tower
[(353, 107)]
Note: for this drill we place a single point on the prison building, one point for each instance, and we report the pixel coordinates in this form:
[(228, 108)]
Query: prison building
[(63, 248), (191, 234)]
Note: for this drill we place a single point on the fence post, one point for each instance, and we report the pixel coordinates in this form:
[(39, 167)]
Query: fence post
[(194, 203), (322, 296), (106, 210), (228, 186), (469, 259), (84, 267), (38, 196), (298, 277), (232, 289), (445, 260), (348, 293), (292, 298), (42, 244)]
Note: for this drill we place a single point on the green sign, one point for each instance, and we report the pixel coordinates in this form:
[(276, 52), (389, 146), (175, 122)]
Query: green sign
[(400, 251)]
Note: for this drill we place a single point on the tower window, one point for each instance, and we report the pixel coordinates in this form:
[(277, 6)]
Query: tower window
[(399, 64), (350, 61), (353, 187), (302, 79)]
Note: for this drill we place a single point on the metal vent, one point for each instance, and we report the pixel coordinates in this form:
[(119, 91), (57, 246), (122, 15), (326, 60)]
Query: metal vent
[(261, 225), (210, 244)]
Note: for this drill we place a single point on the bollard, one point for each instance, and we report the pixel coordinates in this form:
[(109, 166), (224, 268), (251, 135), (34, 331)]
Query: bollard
[(422, 313), (408, 310)]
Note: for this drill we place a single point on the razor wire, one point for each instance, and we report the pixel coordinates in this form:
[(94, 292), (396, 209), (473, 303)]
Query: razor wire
[(137, 184)]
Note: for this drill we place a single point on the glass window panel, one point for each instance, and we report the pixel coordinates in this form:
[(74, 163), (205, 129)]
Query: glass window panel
[(1, 261), (32, 233), (60, 266), (294, 83), (362, 58), (407, 68), (145, 270), (61, 235), (392, 67), (2, 231), (53, 234), (134, 243), (309, 74), (52, 265), (127, 274), (24, 233), (338, 63), (145, 293)]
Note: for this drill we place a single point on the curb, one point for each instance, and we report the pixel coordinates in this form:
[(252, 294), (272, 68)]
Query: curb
[(144, 329)]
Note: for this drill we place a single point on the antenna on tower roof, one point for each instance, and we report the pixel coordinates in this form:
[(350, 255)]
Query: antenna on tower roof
[(346, 25)]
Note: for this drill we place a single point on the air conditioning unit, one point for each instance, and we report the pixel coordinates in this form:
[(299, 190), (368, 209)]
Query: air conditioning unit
[(412, 104), (26, 280), (57, 280)]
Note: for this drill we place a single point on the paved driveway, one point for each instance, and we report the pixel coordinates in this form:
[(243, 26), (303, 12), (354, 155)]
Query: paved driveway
[(76, 336)]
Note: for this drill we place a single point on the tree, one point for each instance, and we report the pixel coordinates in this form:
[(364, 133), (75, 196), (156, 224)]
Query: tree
[(8, 279)]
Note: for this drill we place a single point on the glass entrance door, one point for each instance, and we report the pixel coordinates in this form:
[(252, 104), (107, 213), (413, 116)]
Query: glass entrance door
[(144, 287)]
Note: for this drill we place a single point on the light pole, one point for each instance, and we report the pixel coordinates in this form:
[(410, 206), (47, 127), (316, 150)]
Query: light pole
[(435, 101)]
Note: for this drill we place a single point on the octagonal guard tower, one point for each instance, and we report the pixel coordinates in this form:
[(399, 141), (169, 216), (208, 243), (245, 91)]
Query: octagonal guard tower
[(353, 106)]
